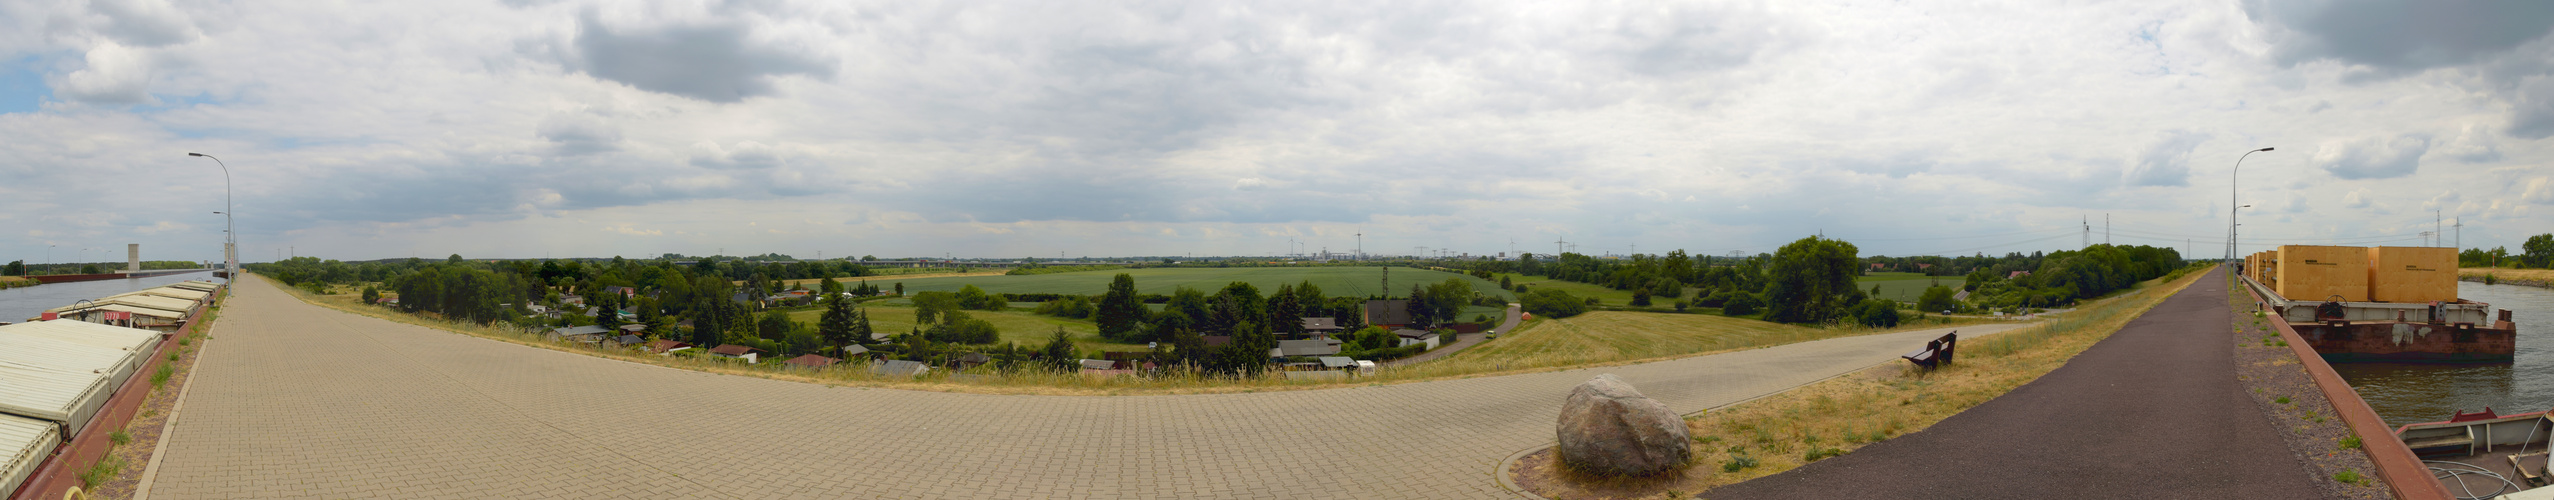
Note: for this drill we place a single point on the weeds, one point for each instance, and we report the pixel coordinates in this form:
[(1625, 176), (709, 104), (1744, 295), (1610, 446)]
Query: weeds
[(2350, 443), (2281, 400), (2350, 477), (99, 473), (160, 378), (120, 438), (1739, 463)]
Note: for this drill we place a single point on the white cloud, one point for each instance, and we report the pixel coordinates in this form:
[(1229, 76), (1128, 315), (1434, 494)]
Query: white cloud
[(115, 74), (2540, 191), (2372, 157)]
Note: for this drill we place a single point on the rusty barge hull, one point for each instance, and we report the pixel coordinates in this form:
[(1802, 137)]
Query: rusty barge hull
[(2391, 342), (2391, 332)]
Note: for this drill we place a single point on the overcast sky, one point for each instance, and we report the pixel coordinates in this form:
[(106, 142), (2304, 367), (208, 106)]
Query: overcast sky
[(528, 128)]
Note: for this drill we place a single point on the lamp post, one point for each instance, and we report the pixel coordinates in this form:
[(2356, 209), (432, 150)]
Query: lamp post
[(230, 229), (2232, 211)]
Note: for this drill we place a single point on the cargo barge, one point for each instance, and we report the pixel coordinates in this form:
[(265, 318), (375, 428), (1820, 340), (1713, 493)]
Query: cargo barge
[(2382, 304)]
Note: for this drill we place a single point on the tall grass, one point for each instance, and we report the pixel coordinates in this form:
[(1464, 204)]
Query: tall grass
[(1825, 419), (2529, 277)]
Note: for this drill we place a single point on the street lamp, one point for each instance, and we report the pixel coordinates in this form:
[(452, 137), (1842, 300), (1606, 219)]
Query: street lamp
[(230, 229), (2232, 211)]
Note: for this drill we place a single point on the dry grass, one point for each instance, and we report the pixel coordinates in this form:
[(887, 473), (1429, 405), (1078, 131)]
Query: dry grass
[(1542, 349), (1785, 431), (2545, 276), (8, 282), (1629, 337)]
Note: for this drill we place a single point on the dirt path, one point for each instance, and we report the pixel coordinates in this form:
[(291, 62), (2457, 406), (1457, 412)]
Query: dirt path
[(2152, 412)]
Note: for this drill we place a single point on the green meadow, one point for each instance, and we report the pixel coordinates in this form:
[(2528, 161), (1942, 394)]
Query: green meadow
[(1334, 281)]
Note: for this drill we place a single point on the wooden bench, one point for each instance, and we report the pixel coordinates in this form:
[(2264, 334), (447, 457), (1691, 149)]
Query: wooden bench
[(1936, 352)]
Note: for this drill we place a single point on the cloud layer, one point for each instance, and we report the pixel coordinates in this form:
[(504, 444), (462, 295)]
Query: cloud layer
[(563, 128)]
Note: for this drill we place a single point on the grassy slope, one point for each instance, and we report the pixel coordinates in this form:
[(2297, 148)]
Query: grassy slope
[(1027, 329), (1334, 281), (1617, 336)]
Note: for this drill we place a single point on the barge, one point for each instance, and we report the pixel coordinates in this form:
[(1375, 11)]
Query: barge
[(2383, 304), (2483, 455)]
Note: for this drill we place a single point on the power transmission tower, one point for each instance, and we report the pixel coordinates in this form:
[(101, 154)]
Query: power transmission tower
[(1558, 244), (2460, 233), (2106, 229), (2088, 233)]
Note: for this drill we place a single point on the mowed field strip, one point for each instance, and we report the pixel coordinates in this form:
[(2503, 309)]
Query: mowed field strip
[(298, 401), (1334, 281)]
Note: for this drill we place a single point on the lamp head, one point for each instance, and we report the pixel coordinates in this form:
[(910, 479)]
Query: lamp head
[(195, 154), (2256, 150)]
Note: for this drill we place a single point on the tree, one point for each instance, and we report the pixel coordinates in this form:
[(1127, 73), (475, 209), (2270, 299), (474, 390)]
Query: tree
[(829, 287), (1553, 303), (1881, 313), (1505, 284), (1192, 305), (1937, 299), (372, 295), (607, 312), (454, 259), (1059, 351), (1811, 280), (1640, 296), (971, 297), (1741, 304), (773, 326), (861, 331), (15, 268), (1120, 309), (1284, 312), (936, 307), (836, 324), (900, 289), (90, 269), (2540, 251)]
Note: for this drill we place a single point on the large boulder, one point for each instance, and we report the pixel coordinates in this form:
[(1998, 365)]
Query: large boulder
[(1607, 427)]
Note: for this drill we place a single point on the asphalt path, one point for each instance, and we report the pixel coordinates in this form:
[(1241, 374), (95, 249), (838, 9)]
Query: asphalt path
[(2152, 412)]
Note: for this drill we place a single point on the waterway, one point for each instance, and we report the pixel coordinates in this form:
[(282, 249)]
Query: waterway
[(2412, 393), (19, 304)]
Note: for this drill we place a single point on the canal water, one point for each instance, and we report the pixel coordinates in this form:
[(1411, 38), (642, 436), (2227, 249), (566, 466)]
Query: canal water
[(19, 304), (2412, 393)]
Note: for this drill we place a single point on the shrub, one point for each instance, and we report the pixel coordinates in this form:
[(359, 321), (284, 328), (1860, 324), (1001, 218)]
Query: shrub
[(1738, 463), (1878, 313), (1553, 303), (1742, 304)]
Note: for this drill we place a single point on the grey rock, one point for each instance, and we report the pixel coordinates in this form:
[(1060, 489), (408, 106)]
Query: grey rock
[(1607, 427)]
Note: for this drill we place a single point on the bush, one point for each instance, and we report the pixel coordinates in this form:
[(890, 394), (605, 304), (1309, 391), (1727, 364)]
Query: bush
[(1640, 297), (1937, 299), (1741, 304), (1877, 313), (1553, 303)]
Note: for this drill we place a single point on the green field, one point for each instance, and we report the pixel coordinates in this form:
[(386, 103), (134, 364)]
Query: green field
[(1605, 296), (1905, 287), (1334, 281), (1023, 328)]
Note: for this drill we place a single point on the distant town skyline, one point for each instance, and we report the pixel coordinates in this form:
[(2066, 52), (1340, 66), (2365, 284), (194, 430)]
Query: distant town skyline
[(528, 129)]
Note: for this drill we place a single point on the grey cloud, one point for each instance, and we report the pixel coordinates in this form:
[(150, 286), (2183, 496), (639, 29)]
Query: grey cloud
[(1688, 40), (143, 23), (715, 62), (2166, 161), (580, 133), (2399, 35), (744, 155), (2532, 109), (2373, 157)]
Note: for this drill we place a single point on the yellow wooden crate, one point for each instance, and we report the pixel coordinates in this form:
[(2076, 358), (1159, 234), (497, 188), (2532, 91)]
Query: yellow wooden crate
[(2315, 273), (2412, 274)]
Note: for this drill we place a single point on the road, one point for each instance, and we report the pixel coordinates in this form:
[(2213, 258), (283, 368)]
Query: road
[(292, 400), (1467, 340), (2154, 411)]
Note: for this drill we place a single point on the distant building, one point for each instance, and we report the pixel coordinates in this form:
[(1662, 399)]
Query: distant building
[(1323, 327), (666, 346), (1388, 313), (810, 361), (587, 334), (901, 368), (1415, 337), (1312, 347), (733, 351)]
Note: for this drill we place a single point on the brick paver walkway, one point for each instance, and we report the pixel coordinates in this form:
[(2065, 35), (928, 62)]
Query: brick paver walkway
[(293, 400)]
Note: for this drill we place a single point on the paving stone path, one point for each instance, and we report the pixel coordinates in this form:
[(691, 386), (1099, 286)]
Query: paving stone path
[(296, 401)]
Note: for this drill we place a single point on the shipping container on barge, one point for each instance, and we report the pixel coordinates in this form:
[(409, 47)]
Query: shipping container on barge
[(2381, 304)]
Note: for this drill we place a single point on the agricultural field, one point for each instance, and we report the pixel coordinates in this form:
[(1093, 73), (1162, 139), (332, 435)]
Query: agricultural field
[(1022, 328), (1334, 281), (1905, 287)]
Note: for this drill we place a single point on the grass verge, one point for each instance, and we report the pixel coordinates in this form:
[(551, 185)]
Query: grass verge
[(2529, 277), (1781, 432)]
